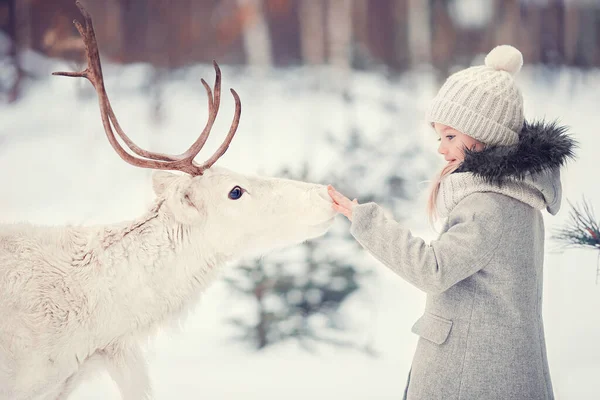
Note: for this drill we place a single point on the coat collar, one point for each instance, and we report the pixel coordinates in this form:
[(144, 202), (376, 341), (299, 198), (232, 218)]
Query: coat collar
[(528, 171), (542, 146)]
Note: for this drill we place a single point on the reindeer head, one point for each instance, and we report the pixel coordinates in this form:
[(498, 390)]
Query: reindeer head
[(240, 212), (245, 213)]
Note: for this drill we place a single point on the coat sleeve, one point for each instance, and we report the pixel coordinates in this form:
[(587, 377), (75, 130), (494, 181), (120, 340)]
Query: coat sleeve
[(474, 232)]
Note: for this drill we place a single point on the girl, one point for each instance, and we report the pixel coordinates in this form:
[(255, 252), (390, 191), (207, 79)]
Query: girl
[(482, 334)]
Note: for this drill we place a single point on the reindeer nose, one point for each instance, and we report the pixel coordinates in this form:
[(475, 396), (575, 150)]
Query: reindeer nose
[(321, 191)]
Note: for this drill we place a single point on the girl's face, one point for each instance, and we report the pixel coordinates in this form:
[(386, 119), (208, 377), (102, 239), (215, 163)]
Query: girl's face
[(453, 143)]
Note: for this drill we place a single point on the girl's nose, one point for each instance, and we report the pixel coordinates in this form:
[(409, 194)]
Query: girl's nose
[(441, 149)]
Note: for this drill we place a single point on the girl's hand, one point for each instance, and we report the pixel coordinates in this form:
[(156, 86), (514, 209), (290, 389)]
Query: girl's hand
[(341, 203)]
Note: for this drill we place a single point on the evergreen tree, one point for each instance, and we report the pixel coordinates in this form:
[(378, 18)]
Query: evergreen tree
[(298, 298), (297, 293)]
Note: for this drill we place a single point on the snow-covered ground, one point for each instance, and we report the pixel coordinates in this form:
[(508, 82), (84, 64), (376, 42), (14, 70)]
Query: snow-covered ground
[(59, 169)]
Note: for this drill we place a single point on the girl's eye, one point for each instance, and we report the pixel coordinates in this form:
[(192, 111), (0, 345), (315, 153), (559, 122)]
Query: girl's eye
[(450, 137), (236, 193)]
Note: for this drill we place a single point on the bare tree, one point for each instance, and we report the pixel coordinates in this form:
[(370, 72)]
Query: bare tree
[(134, 39), (419, 31), (589, 40), (312, 31), (22, 9), (20, 32), (113, 28), (508, 23), (360, 31), (443, 39), (255, 34), (339, 33), (571, 23)]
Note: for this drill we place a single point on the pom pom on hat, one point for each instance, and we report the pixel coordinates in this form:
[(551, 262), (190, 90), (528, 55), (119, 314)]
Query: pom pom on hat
[(505, 58)]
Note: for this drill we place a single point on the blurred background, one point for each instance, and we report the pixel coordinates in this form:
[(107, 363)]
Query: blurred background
[(394, 35), (333, 91)]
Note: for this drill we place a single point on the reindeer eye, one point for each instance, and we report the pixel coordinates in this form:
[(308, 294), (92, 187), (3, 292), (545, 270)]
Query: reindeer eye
[(236, 193)]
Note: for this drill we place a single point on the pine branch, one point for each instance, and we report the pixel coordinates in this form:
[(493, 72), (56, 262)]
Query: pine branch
[(582, 230)]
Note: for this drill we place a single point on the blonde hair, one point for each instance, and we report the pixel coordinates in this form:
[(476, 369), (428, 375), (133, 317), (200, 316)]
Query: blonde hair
[(431, 207)]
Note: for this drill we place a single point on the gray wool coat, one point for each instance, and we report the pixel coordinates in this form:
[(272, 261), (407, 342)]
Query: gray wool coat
[(482, 332)]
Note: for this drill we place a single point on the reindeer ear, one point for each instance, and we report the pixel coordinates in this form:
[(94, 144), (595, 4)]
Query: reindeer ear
[(161, 180)]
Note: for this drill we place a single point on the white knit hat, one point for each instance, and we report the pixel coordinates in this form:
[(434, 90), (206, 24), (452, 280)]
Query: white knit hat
[(483, 101)]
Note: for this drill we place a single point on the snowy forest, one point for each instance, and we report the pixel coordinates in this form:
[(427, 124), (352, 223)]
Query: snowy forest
[(333, 91), (359, 34)]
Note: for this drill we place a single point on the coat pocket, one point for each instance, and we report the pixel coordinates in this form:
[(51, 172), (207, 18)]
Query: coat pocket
[(433, 328)]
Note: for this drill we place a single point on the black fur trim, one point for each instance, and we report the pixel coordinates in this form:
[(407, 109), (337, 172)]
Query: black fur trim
[(542, 146)]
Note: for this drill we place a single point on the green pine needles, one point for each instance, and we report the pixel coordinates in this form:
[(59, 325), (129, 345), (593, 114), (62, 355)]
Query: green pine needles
[(582, 230)]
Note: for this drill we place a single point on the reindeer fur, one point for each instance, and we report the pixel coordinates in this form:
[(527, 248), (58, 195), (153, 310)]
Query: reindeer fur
[(75, 299)]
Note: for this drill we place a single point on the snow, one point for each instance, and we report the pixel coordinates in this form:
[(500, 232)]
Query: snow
[(59, 169)]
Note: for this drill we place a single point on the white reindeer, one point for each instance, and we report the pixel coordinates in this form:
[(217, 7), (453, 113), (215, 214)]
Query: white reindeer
[(73, 299)]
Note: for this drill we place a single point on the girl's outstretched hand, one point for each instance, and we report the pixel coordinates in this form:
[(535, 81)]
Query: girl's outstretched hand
[(341, 203)]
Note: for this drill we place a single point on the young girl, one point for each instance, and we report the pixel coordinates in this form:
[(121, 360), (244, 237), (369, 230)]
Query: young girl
[(482, 333)]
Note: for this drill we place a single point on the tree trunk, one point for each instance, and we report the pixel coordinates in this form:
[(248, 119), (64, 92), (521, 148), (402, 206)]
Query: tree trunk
[(20, 26), (443, 40), (381, 30), (134, 22), (587, 54), (114, 29), (532, 28), (552, 33), (507, 31), (339, 33), (571, 21), (402, 56), (312, 31), (257, 41), (419, 32)]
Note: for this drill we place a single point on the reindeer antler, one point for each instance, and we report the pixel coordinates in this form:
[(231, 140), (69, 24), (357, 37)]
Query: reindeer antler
[(183, 162)]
